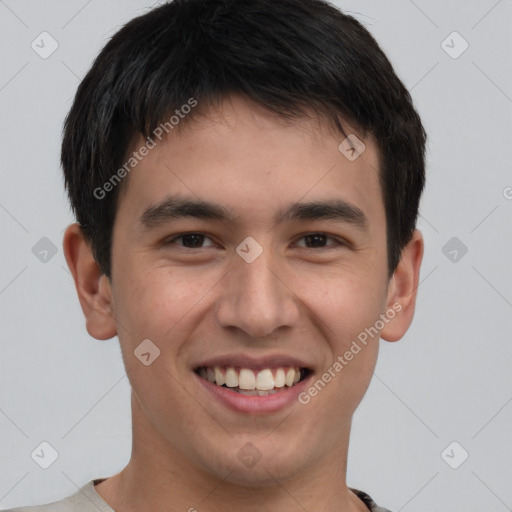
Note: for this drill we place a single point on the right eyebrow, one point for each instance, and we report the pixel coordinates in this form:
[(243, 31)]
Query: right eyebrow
[(174, 207)]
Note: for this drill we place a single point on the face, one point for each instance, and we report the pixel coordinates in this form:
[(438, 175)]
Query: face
[(247, 288)]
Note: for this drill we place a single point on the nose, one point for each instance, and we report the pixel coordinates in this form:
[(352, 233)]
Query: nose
[(257, 297)]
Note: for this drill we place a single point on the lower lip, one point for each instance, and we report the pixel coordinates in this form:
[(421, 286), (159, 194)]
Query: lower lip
[(255, 404)]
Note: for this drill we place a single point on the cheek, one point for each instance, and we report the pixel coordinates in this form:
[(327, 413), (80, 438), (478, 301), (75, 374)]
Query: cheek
[(347, 302), (157, 302), (347, 315), (348, 308)]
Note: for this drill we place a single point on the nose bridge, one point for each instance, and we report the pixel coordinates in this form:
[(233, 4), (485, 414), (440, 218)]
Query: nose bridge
[(256, 298)]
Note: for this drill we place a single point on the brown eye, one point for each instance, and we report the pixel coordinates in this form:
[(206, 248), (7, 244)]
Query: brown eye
[(190, 241), (318, 240)]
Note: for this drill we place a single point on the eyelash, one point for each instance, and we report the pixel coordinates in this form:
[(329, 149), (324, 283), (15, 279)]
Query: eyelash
[(338, 242)]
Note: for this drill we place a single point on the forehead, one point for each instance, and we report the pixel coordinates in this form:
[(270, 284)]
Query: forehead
[(252, 161)]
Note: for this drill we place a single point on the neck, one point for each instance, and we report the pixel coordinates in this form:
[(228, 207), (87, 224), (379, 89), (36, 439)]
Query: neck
[(159, 477)]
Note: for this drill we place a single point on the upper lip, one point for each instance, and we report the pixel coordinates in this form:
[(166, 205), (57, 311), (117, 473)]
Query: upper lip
[(253, 363)]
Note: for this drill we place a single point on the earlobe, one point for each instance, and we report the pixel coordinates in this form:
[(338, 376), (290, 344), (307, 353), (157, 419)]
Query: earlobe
[(93, 288), (403, 289)]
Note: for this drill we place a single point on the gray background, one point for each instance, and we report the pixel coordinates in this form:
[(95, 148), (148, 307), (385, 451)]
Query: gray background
[(447, 380)]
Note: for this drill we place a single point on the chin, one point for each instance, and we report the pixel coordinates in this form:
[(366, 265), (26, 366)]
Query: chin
[(251, 467)]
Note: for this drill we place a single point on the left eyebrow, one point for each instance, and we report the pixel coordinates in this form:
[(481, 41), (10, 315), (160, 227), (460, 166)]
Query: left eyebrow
[(335, 209), (175, 207)]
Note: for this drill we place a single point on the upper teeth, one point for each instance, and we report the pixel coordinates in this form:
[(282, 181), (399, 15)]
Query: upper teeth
[(244, 378)]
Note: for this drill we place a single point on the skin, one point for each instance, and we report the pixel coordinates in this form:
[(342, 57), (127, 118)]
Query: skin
[(196, 303)]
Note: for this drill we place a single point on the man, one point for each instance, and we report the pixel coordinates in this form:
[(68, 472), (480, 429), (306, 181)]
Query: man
[(246, 177)]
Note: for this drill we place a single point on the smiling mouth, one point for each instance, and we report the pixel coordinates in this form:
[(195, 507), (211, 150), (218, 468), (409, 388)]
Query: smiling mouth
[(245, 381)]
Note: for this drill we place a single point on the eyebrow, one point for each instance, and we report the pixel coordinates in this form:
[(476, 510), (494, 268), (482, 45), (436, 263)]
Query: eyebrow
[(175, 207)]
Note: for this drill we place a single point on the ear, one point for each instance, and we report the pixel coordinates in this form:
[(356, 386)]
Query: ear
[(403, 288), (93, 288)]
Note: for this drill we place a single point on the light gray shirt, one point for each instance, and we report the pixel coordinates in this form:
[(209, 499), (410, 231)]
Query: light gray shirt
[(88, 500)]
